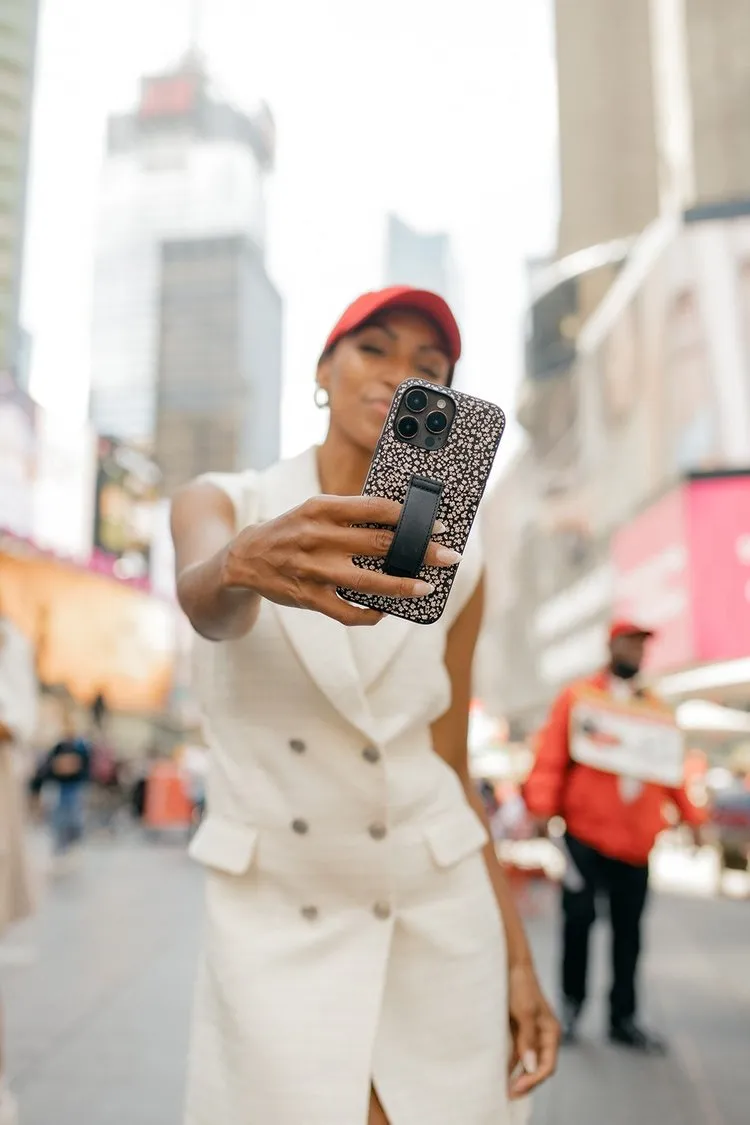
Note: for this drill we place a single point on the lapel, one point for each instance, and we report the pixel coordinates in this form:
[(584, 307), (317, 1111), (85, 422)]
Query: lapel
[(321, 644)]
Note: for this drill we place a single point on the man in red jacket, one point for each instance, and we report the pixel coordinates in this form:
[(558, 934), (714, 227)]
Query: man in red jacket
[(609, 760)]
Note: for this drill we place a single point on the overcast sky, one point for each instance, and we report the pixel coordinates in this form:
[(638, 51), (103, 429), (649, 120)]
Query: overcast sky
[(441, 111)]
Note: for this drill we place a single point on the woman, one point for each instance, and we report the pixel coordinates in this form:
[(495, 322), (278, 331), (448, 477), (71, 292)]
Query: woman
[(356, 968)]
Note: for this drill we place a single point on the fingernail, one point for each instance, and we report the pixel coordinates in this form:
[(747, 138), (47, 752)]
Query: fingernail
[(530, 1062), (438, 528), (422, 589), (446, 557)]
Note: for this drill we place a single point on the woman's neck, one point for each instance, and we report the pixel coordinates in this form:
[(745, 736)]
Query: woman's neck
[(342, 467)]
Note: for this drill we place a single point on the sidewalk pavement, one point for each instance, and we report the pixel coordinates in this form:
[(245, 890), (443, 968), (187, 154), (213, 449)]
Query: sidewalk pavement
[(98, 1023), (696, 990)]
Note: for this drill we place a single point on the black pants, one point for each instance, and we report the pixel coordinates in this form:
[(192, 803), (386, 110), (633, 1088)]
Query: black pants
[(625, 887)]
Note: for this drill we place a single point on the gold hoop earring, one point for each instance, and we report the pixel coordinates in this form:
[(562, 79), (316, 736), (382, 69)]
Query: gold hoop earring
[(320, 397)]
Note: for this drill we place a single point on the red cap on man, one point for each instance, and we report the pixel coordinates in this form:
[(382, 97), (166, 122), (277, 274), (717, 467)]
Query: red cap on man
[(624, 628)]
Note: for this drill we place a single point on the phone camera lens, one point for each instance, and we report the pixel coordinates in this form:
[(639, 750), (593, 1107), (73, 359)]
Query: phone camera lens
[(436, 422), (416, 400), (408, 427)]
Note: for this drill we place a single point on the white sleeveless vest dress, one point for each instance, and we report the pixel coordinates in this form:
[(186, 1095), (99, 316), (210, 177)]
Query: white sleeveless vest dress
[(352, 935)]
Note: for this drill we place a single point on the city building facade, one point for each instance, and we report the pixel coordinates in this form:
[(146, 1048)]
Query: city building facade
[(636, 476), (609, 176), (651, 118), (636, 394), (181, 252), (424, 260), (219, 334), (18, 34)]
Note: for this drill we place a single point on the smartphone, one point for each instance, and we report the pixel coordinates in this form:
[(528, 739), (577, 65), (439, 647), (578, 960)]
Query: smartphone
[(434, 456)]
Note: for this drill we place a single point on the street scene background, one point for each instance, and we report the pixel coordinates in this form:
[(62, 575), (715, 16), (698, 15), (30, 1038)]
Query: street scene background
[(190, 194)]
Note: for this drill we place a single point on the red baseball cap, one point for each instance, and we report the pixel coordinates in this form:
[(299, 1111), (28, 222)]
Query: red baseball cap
[(421, 301), (624, 628)]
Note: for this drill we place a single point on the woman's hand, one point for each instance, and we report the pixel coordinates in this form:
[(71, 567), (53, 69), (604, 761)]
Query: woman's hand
[(299, 559), (535, 1031)]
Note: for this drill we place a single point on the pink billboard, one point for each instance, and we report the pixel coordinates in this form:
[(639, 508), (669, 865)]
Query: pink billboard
[(653, 580), (719, 521), (683, 568)]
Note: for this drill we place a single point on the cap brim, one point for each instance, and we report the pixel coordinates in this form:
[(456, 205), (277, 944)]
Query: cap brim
[(633, 631), (436, 309), (428, 304)]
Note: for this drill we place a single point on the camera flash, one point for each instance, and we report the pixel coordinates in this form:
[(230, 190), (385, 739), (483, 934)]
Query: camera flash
[(441, 404)]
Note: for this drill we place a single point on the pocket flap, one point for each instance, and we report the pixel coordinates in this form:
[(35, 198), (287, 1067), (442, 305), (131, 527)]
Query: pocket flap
[(226, 845), (455, 835)]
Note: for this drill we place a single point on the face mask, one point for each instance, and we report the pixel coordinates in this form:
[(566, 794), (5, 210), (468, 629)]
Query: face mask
[(623, 670)]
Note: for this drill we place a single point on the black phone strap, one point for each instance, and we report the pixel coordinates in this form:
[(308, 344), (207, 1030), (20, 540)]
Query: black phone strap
[(414, 529)]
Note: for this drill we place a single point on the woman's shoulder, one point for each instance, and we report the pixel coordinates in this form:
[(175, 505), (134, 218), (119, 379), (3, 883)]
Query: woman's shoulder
[(287, 482), (234, 485)]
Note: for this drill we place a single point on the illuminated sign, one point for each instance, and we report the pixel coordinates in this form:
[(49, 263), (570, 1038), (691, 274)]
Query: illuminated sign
[(127, 489), (173, 96)]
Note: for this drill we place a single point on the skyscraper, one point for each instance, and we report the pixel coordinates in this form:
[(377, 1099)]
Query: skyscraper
[(652, 111), (18, 24), (423, 260), (219, 359), (608, 157), (186, 350)]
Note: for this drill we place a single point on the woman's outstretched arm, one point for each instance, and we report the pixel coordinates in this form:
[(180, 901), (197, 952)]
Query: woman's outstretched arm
[(203, 527)]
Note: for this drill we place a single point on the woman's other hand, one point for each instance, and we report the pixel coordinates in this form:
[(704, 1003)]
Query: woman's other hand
[(535, 1031), (301, 557)]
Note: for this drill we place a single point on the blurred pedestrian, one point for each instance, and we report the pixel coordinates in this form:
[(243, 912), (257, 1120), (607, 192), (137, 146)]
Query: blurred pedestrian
[(489, 798), (106, 782), (590, 770), (513, 820), (99, 710), (357, 967), (194, 764), (67, 768), (18, 715), (139, 772), (138, 792)]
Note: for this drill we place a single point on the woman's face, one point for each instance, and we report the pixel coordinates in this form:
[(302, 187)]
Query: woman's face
[(364, 370)]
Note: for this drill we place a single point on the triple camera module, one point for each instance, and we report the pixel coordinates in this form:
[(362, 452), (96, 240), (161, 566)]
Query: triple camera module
[(424, 417)]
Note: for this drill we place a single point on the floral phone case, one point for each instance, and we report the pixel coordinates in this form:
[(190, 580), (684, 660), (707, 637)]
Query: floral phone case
[(462, 466)]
